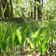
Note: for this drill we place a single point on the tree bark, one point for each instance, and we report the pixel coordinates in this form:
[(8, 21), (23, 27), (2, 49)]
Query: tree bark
[(8, 13), (5, 6), (31, 12), (35, 10), (42, 3), (11, 8), (0, 8), (39, 8)]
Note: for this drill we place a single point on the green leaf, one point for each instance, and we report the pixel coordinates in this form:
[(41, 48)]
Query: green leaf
[(34, 35), (18, 33), (28, 40), (7, 46), (43, 32), (31, 44), (13, 40)]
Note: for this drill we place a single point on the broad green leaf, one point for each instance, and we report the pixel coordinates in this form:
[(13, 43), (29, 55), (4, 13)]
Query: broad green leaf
[(36, 33), (7, 46), (43, 32), (13, 40), (28, 40), (0, 36), (18, 33), (4, 36), (41, 39), (31, 44)]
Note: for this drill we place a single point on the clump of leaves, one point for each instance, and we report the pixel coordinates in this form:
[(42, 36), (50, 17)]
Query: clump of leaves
[(40, 40)]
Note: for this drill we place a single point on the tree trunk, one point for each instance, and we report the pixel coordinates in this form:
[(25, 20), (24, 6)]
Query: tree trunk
[(11, 8), (31, 15), (39, 8), (5, 6), (31, 10), (35, 10), (0, 8), (42, 3)]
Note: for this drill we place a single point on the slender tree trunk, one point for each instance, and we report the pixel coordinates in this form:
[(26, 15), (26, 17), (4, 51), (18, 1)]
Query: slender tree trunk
[(31, 12), (39, 8), (11, 8), (31, 15), (42, 3), (0, 8), (5, 6), (35, 10)]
